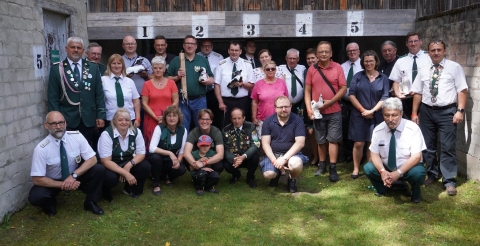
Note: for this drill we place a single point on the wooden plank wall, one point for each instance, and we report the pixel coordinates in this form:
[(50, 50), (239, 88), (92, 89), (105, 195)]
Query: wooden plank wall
[(97, 6)]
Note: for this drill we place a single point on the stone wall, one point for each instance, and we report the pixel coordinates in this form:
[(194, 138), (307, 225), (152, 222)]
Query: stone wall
[(23, 89), (458, 29)]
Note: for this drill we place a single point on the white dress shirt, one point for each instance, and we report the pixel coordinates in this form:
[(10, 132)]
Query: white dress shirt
[(129, 94), (409, 140), (403, 66), (299, 71), (357, 67), (46, 156), (173, 139), (223, 76), (450, 83), (105, 143), (213, 59)]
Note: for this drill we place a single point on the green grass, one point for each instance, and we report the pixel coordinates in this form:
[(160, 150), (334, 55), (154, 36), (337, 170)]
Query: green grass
[(321, 213)]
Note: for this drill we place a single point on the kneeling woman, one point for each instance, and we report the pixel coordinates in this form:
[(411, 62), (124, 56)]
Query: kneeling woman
[(166, 148), (122, 151)]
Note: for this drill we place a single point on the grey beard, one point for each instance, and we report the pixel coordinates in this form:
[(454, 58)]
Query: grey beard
[(57, 134)]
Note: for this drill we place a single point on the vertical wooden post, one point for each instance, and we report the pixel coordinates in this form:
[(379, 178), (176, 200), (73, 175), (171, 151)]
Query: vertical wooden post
[(184, 78), (343, 4)]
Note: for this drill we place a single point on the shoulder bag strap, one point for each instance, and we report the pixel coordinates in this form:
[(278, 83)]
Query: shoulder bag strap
[(325, 78)]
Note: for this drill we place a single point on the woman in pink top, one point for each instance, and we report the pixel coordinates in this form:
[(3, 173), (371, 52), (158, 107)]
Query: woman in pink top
[(157, 94), (264, 93)]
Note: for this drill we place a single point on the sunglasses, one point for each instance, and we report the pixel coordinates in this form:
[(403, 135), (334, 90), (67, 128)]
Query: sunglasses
[(268, 69)]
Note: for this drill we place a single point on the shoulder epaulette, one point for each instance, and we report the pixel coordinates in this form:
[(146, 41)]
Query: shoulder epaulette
[(247, 61), (425, 52), (44, 143), (216, 54), (403, 56), (73, 132), (222, 62), (55, 63), (379, 128)]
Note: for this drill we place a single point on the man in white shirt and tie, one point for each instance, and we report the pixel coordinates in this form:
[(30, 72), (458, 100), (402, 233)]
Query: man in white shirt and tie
[(350, 68), (294, 79)]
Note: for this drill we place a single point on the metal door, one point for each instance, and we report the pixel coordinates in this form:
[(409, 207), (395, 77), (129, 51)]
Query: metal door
[(55, 31)]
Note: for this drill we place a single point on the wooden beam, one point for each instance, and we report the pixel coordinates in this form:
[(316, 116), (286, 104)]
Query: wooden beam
[(251, 24)]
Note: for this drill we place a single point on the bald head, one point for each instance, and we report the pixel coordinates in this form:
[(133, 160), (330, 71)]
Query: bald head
[(55, 124), (129, 45), (54, 116), (353, 52)]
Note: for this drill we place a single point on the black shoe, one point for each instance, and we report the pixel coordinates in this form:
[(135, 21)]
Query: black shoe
[(252, 183), (107, 195), (380, 194), (234, 180), (213, 190), (417, 199), (292, 185), (320, 169), (354, 176), (131, 194), (333, 173), (92, 206), (274, 181), (199, 192), (50, 210), (156, 193)]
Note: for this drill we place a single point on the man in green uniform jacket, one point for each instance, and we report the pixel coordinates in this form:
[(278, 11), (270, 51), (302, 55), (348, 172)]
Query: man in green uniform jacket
[(75, 89)]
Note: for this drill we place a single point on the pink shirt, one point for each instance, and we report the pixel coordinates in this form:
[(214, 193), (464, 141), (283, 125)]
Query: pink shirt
[(265, 94), (334, 74)]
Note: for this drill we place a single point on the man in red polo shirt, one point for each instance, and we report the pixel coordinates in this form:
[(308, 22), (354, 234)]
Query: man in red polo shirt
[(328, 130)]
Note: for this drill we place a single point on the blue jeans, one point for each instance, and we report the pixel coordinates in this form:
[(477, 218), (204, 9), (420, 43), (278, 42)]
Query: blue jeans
[(191, 109)]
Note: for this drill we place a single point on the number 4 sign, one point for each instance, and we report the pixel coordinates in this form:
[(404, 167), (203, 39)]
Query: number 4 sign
[(303, 25)]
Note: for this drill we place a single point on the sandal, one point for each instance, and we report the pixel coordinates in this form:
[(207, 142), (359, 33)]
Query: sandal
[(156, 193)]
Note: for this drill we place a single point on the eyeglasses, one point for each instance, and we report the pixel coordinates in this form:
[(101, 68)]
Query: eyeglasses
[(368, 61), (205, 119), (54, 124), (190, 43), (351, 51), (413, 41), (292, 58), (323, 52), (270, 69), (232, 50), (389, 50), (95, 54), (283, 107), (207, 46), (129, 44)]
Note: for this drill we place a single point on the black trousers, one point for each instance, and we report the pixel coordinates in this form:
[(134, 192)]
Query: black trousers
[(251, 164), (140, 171), (347, 143), (87, 132), (212, 104), (90, 183), (231, 102), (434, 123), (158, 165), (204, 180)]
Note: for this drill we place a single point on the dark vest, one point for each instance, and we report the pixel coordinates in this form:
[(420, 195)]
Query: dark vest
[(162, 144), (118, 155)]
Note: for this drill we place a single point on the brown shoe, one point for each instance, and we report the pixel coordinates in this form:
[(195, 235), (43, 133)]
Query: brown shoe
[(451, 190), (430, 181)]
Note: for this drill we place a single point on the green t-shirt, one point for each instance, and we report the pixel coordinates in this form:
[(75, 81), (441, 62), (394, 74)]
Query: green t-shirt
[(196, 154), (194, 87), (214, 133)]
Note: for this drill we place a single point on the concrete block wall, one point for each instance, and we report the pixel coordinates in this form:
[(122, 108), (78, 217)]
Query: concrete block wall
[(22, 93), (459, 30)]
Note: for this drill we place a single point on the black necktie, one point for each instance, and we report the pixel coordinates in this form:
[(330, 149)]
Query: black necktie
[(392, 152), (414, 68), (118, 89), (234, 90), (64, 161), (253, 63)]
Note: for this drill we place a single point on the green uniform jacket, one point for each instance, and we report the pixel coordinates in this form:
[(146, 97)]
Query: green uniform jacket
[(88, 94), (248, 143)]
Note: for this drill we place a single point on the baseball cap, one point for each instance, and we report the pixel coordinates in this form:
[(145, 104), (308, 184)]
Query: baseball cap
[(204, 140)]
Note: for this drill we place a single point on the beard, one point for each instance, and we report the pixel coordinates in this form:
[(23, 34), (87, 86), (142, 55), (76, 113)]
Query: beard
[(58, 134)]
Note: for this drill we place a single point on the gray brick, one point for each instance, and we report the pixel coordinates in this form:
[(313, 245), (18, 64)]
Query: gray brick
[(3, 8), (14, 10), (23, 137), (2, 103), (27, 13), (15, 62), (14, 128), (19, 23), (10, 142), (11, 102), (10, 48)]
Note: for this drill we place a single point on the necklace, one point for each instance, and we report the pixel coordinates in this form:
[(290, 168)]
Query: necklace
[(160, 83), (371, 76)]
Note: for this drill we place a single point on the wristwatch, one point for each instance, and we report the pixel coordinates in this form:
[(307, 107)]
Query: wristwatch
[(461, 110), (132, 162), (74, 175)]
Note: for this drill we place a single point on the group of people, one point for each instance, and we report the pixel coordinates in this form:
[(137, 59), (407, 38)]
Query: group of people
[(131, 118)]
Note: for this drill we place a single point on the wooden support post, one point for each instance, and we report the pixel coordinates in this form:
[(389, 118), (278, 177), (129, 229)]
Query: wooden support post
[(184, 78)]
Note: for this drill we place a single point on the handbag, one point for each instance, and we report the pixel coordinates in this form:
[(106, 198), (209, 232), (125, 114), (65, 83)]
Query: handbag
[(328, 83)]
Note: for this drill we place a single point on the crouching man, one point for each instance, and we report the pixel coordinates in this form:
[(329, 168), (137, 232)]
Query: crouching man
[(55, 167), (283, 136), (396, 152)]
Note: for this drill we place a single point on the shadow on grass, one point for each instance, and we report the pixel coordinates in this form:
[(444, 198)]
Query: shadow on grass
[(322, 213)]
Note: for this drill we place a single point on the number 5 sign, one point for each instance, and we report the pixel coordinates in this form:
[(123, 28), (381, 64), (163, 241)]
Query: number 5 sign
[(355, 23)]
